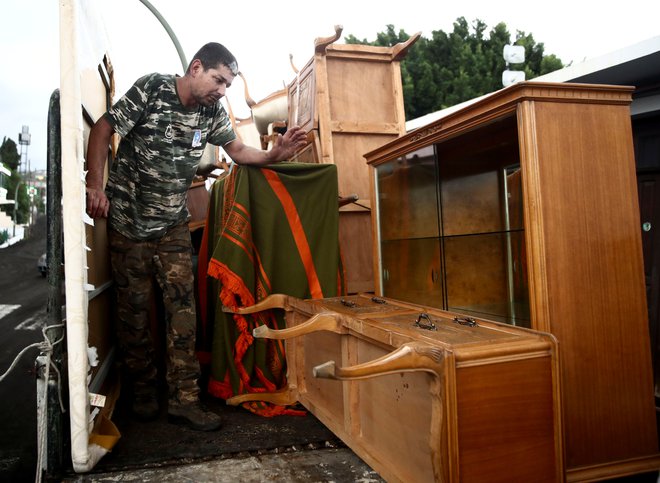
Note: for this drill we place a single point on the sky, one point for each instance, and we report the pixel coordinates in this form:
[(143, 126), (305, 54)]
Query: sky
[(262, 35)]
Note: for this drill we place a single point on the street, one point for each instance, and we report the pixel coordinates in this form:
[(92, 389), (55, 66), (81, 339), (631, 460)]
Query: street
[(23, 301)]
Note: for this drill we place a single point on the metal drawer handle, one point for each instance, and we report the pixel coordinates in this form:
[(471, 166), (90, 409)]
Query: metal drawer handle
[(469, 321), (428, 326)]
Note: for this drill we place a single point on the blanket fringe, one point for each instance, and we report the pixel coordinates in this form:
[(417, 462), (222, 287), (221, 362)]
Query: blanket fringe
[(234, 294)]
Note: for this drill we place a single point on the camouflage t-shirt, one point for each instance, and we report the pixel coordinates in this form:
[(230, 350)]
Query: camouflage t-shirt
[(161, 146)]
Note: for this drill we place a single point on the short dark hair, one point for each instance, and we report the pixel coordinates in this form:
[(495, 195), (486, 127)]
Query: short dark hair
[(213, 54)]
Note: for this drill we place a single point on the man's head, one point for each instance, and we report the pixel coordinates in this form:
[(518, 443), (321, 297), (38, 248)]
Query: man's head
[(212, 55), (211, 72)]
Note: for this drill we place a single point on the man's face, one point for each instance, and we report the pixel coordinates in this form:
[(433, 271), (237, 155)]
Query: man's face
[(210, 86)]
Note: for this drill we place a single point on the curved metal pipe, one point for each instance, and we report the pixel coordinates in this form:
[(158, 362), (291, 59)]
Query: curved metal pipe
[(170, 32)]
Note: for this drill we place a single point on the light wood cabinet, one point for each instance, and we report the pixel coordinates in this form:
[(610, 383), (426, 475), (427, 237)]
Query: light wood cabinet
[(420, 394), (349, 99), (522, 208)]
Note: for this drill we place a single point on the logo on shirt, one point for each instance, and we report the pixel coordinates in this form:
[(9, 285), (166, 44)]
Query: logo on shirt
[(197, 138), (169, 134)]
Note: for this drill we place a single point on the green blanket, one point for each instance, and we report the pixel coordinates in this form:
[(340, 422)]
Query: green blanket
[(269, 230)]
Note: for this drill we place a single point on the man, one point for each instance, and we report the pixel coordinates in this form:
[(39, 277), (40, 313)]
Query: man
[(165, 122)]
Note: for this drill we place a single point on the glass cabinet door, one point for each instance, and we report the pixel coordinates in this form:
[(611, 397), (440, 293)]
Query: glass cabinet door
[(407, 209), (411, 271), (481, 228), (450, 222)]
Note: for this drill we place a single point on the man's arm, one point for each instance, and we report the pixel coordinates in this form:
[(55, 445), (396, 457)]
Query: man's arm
[(285, 146), (97, 154)]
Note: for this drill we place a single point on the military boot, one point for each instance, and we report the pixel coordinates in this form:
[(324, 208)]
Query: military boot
[(145, 402), (194, 415)]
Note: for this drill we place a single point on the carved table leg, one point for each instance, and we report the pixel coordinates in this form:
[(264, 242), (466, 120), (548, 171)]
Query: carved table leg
[(330, 322), (282, 397), (275, 301), (414, 356), (410, 357), (323, 321)]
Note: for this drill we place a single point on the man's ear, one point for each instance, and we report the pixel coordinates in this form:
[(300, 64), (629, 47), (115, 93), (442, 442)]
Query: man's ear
[(196, 67)]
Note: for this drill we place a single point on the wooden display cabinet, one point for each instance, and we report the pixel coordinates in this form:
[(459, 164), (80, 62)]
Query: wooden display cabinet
[(349, 99), (522, 208), (421, 394)]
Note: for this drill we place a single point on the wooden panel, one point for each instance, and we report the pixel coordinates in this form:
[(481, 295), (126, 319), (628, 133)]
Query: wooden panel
[(511, 424), (302, 107), (98, 258), (318, 348), (101, 325), (311, 153), (355, 244), (100, 319), (406, 399), (352, 169), (363, 305), (448, 335), (198, 205), (595, 275), (361, 91)]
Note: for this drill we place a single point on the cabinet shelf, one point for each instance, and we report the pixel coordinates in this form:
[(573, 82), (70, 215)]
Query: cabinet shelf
[(458, 235), (484, 233)]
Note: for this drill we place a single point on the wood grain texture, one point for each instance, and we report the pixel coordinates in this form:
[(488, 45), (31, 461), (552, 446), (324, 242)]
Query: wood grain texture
[(582, 248), (594, 274), (469, 403), (351, 96)]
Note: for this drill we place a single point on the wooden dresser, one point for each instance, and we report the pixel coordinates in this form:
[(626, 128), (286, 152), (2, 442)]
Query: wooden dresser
[(349, 99), (423, 395), (522, 208)]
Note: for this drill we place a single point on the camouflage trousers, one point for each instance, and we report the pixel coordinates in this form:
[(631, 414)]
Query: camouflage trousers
[(135, 264)]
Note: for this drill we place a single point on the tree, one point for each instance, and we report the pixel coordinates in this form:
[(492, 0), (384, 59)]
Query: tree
[(15, 185), (9, 154), (448, 69)]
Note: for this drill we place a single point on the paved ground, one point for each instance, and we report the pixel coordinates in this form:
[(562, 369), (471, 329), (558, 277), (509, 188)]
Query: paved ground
[(322, 465), (160, 442), (23, 297), (248, 448)]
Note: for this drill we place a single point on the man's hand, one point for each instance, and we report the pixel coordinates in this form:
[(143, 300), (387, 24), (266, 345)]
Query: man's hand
[(97, 203), (97, 153), (286, 146)]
